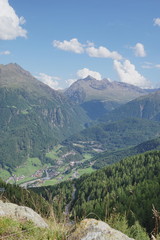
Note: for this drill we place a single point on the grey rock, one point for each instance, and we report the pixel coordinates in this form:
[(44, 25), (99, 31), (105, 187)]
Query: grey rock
[(21, 213), (91, 229)]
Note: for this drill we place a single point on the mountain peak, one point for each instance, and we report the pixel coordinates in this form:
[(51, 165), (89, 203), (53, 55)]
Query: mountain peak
[(14, 67), (14, 76), (88, 78)]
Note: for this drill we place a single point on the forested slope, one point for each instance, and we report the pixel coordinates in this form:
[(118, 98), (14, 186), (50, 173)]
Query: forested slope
[(23, 197), (130, 187), (110, 157)]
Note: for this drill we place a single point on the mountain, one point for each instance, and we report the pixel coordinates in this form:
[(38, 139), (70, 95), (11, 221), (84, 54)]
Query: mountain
[(144, 107), (34, 117), (89, 88), (99, 96)]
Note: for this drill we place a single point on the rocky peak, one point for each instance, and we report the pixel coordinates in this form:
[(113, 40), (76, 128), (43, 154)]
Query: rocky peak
[(88, 78)]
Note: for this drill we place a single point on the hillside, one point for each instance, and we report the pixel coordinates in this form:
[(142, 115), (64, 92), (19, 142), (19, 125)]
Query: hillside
[(110, 157), (19, 220), (34, 117), (146, 107), (115, 135), (21, 196), (130, 187)]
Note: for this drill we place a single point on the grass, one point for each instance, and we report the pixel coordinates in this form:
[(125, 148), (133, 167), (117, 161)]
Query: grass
[(85, 170), (54, 153), (61, 169), (4, 174), (32, 165), (11, 229), (86, 157), (28, 169), (50, 182)]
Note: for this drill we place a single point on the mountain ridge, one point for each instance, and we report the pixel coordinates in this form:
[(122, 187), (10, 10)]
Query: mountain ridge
[(90, 88)]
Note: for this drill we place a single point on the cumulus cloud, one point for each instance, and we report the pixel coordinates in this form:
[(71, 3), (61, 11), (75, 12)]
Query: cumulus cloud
[(103, 52), (156, 21), (10, 23), (51, 81), (71, 81), (73, 45), (83, 73), (5, 52), (139, 50), (128, 74)]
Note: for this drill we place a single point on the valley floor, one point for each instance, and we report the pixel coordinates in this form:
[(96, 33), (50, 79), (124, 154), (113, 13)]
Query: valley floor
[(61, 167)]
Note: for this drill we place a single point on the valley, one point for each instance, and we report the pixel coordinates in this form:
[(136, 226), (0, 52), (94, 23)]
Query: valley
[(87, 150), (60, 168), (79, 120)]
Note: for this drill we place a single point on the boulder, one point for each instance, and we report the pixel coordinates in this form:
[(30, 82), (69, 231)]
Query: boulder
[(91, 229), (21, 213)]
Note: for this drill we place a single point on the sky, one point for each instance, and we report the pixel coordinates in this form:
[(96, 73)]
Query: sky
[(60, 41)]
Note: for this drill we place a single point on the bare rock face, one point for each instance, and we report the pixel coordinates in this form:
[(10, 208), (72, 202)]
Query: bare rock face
[(21, 213), (91, 229)]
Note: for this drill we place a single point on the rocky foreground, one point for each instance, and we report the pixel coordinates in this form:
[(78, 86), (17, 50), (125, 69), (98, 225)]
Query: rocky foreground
[(91, 229), (88, 229)]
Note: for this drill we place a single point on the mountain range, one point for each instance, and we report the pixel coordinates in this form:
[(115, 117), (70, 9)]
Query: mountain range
[(91, 125), (35, 118)]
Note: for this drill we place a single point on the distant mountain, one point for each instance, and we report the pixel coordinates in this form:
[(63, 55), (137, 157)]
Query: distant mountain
[(100, 96), (146, 107), (33, 118), (89, 88)]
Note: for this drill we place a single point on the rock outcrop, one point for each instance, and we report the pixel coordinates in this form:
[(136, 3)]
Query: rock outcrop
[(21, 213), (91, 229)]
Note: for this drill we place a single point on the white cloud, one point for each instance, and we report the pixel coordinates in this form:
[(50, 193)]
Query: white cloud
[(156, 21), (148, 65), (103, 52), (128, 74), (73, 45), (51, 81), (139, 50), (157, 65), (10, 23), (5, 52), (70, 81), (83, 73)]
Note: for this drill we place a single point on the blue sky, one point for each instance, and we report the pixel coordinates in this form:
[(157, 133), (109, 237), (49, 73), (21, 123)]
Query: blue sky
[(59, 41)]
